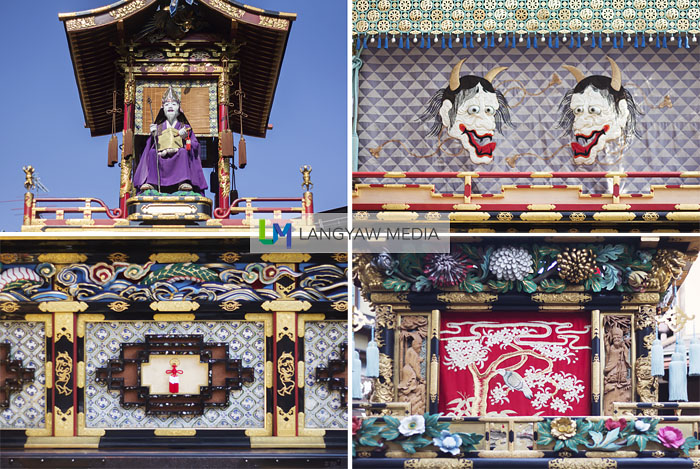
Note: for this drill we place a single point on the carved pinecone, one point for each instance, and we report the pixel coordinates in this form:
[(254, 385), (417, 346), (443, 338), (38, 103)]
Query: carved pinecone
[(510, 263), (576, 265)]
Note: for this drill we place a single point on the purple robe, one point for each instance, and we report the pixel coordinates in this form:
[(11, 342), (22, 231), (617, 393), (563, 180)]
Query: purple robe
[(183, 166)]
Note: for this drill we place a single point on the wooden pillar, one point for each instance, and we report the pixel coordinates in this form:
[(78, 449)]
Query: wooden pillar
[(126, 188), (224, 166)]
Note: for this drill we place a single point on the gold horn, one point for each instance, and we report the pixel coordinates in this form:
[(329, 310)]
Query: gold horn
[(616, 81), (578, 74), (454, 77), (493, 72)]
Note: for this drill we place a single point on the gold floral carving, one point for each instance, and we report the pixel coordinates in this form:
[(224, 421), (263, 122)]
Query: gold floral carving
[(174, 306), (385, 317), (9, 307), (286, 257), (173, 317), (8, 258), (80, 23), (648, 340), (568, 297), (646, 383), (118, 257), (173, 257), (230, 257), (230, 305), (285, 368), (64, 422), (63, 370), (175, 431), (62, 258), (127, 9), (384, 385), (340, 306), (435, 463), (582, 463), (462, 297), (227, 8), (275, 23), (118, 306)]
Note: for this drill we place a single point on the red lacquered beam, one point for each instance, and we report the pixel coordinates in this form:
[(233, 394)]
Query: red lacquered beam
[(117, 213)]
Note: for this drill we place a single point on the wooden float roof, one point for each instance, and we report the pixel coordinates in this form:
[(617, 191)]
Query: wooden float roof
[(93, 34)]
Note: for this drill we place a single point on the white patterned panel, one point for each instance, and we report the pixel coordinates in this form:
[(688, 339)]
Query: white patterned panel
[(322, 408), (27, 343), (246, 341)]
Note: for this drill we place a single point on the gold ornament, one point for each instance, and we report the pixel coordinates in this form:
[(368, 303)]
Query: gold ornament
[(576, 265), (563, 428)]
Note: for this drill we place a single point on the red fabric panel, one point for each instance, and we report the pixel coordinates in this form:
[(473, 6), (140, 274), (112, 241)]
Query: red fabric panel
[(544, 364)]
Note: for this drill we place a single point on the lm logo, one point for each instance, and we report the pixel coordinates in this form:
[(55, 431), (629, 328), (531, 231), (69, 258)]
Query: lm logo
[(276, 233)]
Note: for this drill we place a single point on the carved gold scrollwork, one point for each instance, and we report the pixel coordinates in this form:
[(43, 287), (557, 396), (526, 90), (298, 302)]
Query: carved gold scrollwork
[(434, 463), (118, 306), (340, 306), (385, 317), (646, 383), (63, 369), (230, 257), (127, 9), (80, 23), (461, 297), (275, 23), (285, 368), (569, 297), (230, 305), (645, 317), (384, 387)]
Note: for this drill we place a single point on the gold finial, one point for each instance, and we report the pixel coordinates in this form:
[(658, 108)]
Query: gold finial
[(174, 362), (306, 171), (29, 182)]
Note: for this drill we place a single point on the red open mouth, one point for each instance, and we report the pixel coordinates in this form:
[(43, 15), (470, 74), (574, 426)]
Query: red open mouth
[(584, 143), (483, 144)]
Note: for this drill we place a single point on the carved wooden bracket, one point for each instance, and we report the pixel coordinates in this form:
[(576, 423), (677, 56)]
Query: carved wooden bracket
[(12, 375), (335, 374), (125, 374)]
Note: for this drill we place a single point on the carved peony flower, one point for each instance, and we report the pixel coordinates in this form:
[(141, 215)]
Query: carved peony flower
[(412, 425), (356, 425), (101, 273), (446, 270), (510, 263), (641, 426), (563, 428), (448, 442), (671, 437), (611, 424), (637, 278)]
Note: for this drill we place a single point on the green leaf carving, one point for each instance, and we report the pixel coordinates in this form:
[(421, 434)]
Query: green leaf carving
[(410, 264), (609, 252), (553, 285), (187, 271), (471, 284), (396, 284)]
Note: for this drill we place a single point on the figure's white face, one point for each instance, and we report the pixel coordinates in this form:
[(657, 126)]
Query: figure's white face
[(474, 124), (595, 124), (171, 109)]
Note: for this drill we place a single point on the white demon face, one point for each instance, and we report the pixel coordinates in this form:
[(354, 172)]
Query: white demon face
[(595, 124), (474, 124), (171, 109)]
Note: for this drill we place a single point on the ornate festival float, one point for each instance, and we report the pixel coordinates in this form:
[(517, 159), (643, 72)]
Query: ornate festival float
[(151, 330), (496, 117)]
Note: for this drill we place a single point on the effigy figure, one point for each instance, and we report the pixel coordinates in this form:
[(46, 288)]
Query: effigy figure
[(601, 115), (171, 157), (472, 111), (617, 383)]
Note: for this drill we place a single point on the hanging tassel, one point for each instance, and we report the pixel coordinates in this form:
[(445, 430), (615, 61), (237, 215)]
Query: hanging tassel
[(677, 374), (357, 43), (226, 137), (364, 42), (450, 42), (636, 41), (665, 45), (657, 357), (356, 379), (513, 42), (372, 370), (507, 41), (471, 41), (113, 151), (408, 42), (614, 42), (422, 41), (493, 41), (528, 41), (592, 41), (428, 42), (687, 44), (578, 41), (644, 41), (242, 156), (464, 41), (658, 41), (443, 41), (556, 41), (694, 357), (401, 41)]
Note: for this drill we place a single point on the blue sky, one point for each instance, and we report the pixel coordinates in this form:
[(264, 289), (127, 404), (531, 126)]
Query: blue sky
[(43, 125)]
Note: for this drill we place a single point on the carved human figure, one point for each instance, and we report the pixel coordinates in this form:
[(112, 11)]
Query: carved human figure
[(472, 111), (618, 385), (170, 160), (601, 115), (412, 385)]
